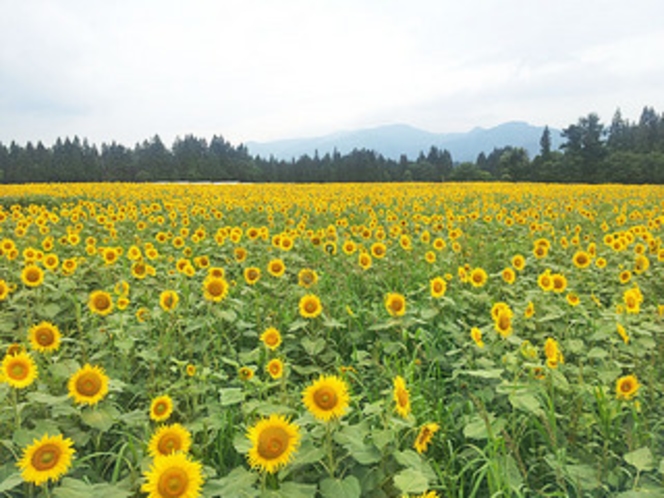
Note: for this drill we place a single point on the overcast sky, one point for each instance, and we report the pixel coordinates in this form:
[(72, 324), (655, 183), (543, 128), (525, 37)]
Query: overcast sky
[(270, 69)]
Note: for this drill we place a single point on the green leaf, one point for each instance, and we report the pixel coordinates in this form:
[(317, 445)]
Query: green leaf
[(231, 396), (413, 460), (477, 428), (9, 478), (49, 311), (487, 373), (583, 475), (292, 490), (239, 482), (642, 459), (411, 481), (75, 488), (313, 346), (335, 488), (100, 418), (526, 402)]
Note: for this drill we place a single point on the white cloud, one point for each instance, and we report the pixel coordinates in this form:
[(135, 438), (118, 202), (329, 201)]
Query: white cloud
[(256, 69)]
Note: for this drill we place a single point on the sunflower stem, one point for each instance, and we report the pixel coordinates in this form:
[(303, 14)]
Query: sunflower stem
[(331, 462), (17, 411)]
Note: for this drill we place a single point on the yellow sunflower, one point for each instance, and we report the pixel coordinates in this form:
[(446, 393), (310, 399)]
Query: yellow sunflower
[(327, 397), (425, 436), (215, 289), (275, 368), (559, 283), (401, 397), (274, 442), (88, 385), (173, 476), (245, 373), (4, 289), (478, 277), (378, 250), (395, 304), (44, 337), (276, 268), (519, 262), (19, 370), (100, 302), (530, 310), (476, 336), (168, 439), (310, 306), (48, 458), (307, 277), (364, 260), (168, 300), (509, 275), (623, 333), (32, 275), (161, 408), (582, 259), (627, 387), (271, 338), (438, 287), (503, 322), (252, 275)]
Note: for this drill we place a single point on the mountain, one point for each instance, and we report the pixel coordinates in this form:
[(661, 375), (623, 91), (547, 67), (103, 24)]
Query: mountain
[(394, 140)]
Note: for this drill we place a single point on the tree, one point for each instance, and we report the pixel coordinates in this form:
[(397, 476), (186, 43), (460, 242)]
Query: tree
[(584, 149), (545, 143)]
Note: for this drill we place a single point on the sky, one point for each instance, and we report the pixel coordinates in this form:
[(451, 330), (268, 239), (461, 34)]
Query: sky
[(262, 70)]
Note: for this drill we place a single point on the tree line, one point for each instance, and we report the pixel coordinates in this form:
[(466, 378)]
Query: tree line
[(621, 152)]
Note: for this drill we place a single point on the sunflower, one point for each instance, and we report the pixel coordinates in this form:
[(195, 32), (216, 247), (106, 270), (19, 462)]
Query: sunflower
[(478, 277), (44, 337), (425, 436), (215, 289), (274, 440), (626, 387), (168, 439), (276, 267), (503, 322), (19, 370), (545, 281), (100, 302), (190, 369), (378, 250), (476, 336), (530, 310), (581, 259), (364, 260), (32, 275), (173, 476), (509, 275), (632, 299), (395, 304), (275, 368), (252, 275), (161, 408), (88, 385), (559, 283), (519, 262), (438, 287), (401, 397), (310, 306), (572, 299), (4, 289), (327, 397), (271, 338), (245, 373), (168, 300), (48, 458), (307, 277), (625, 276), (51, 261), (623, 333)]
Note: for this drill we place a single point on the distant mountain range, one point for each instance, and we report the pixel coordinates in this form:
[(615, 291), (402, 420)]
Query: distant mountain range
[(394, 140)]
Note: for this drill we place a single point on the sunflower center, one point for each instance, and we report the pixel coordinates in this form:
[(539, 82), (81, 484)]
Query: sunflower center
[(46, 457), (626, 386), (252, 274), (272, 443), (396, 305), (173, 483), (437, 287), (18, 371), (215, 288), (88, 384), (102, 302), (326, 398), (32, 276), (160, 408), (45, 337), (310, 306), (169, 444), (402, 397)]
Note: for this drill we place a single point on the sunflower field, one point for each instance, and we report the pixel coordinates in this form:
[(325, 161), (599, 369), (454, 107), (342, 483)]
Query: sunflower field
[(336, 341)]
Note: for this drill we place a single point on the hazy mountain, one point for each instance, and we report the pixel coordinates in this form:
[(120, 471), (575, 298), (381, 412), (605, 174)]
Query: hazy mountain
[(393, 140)]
